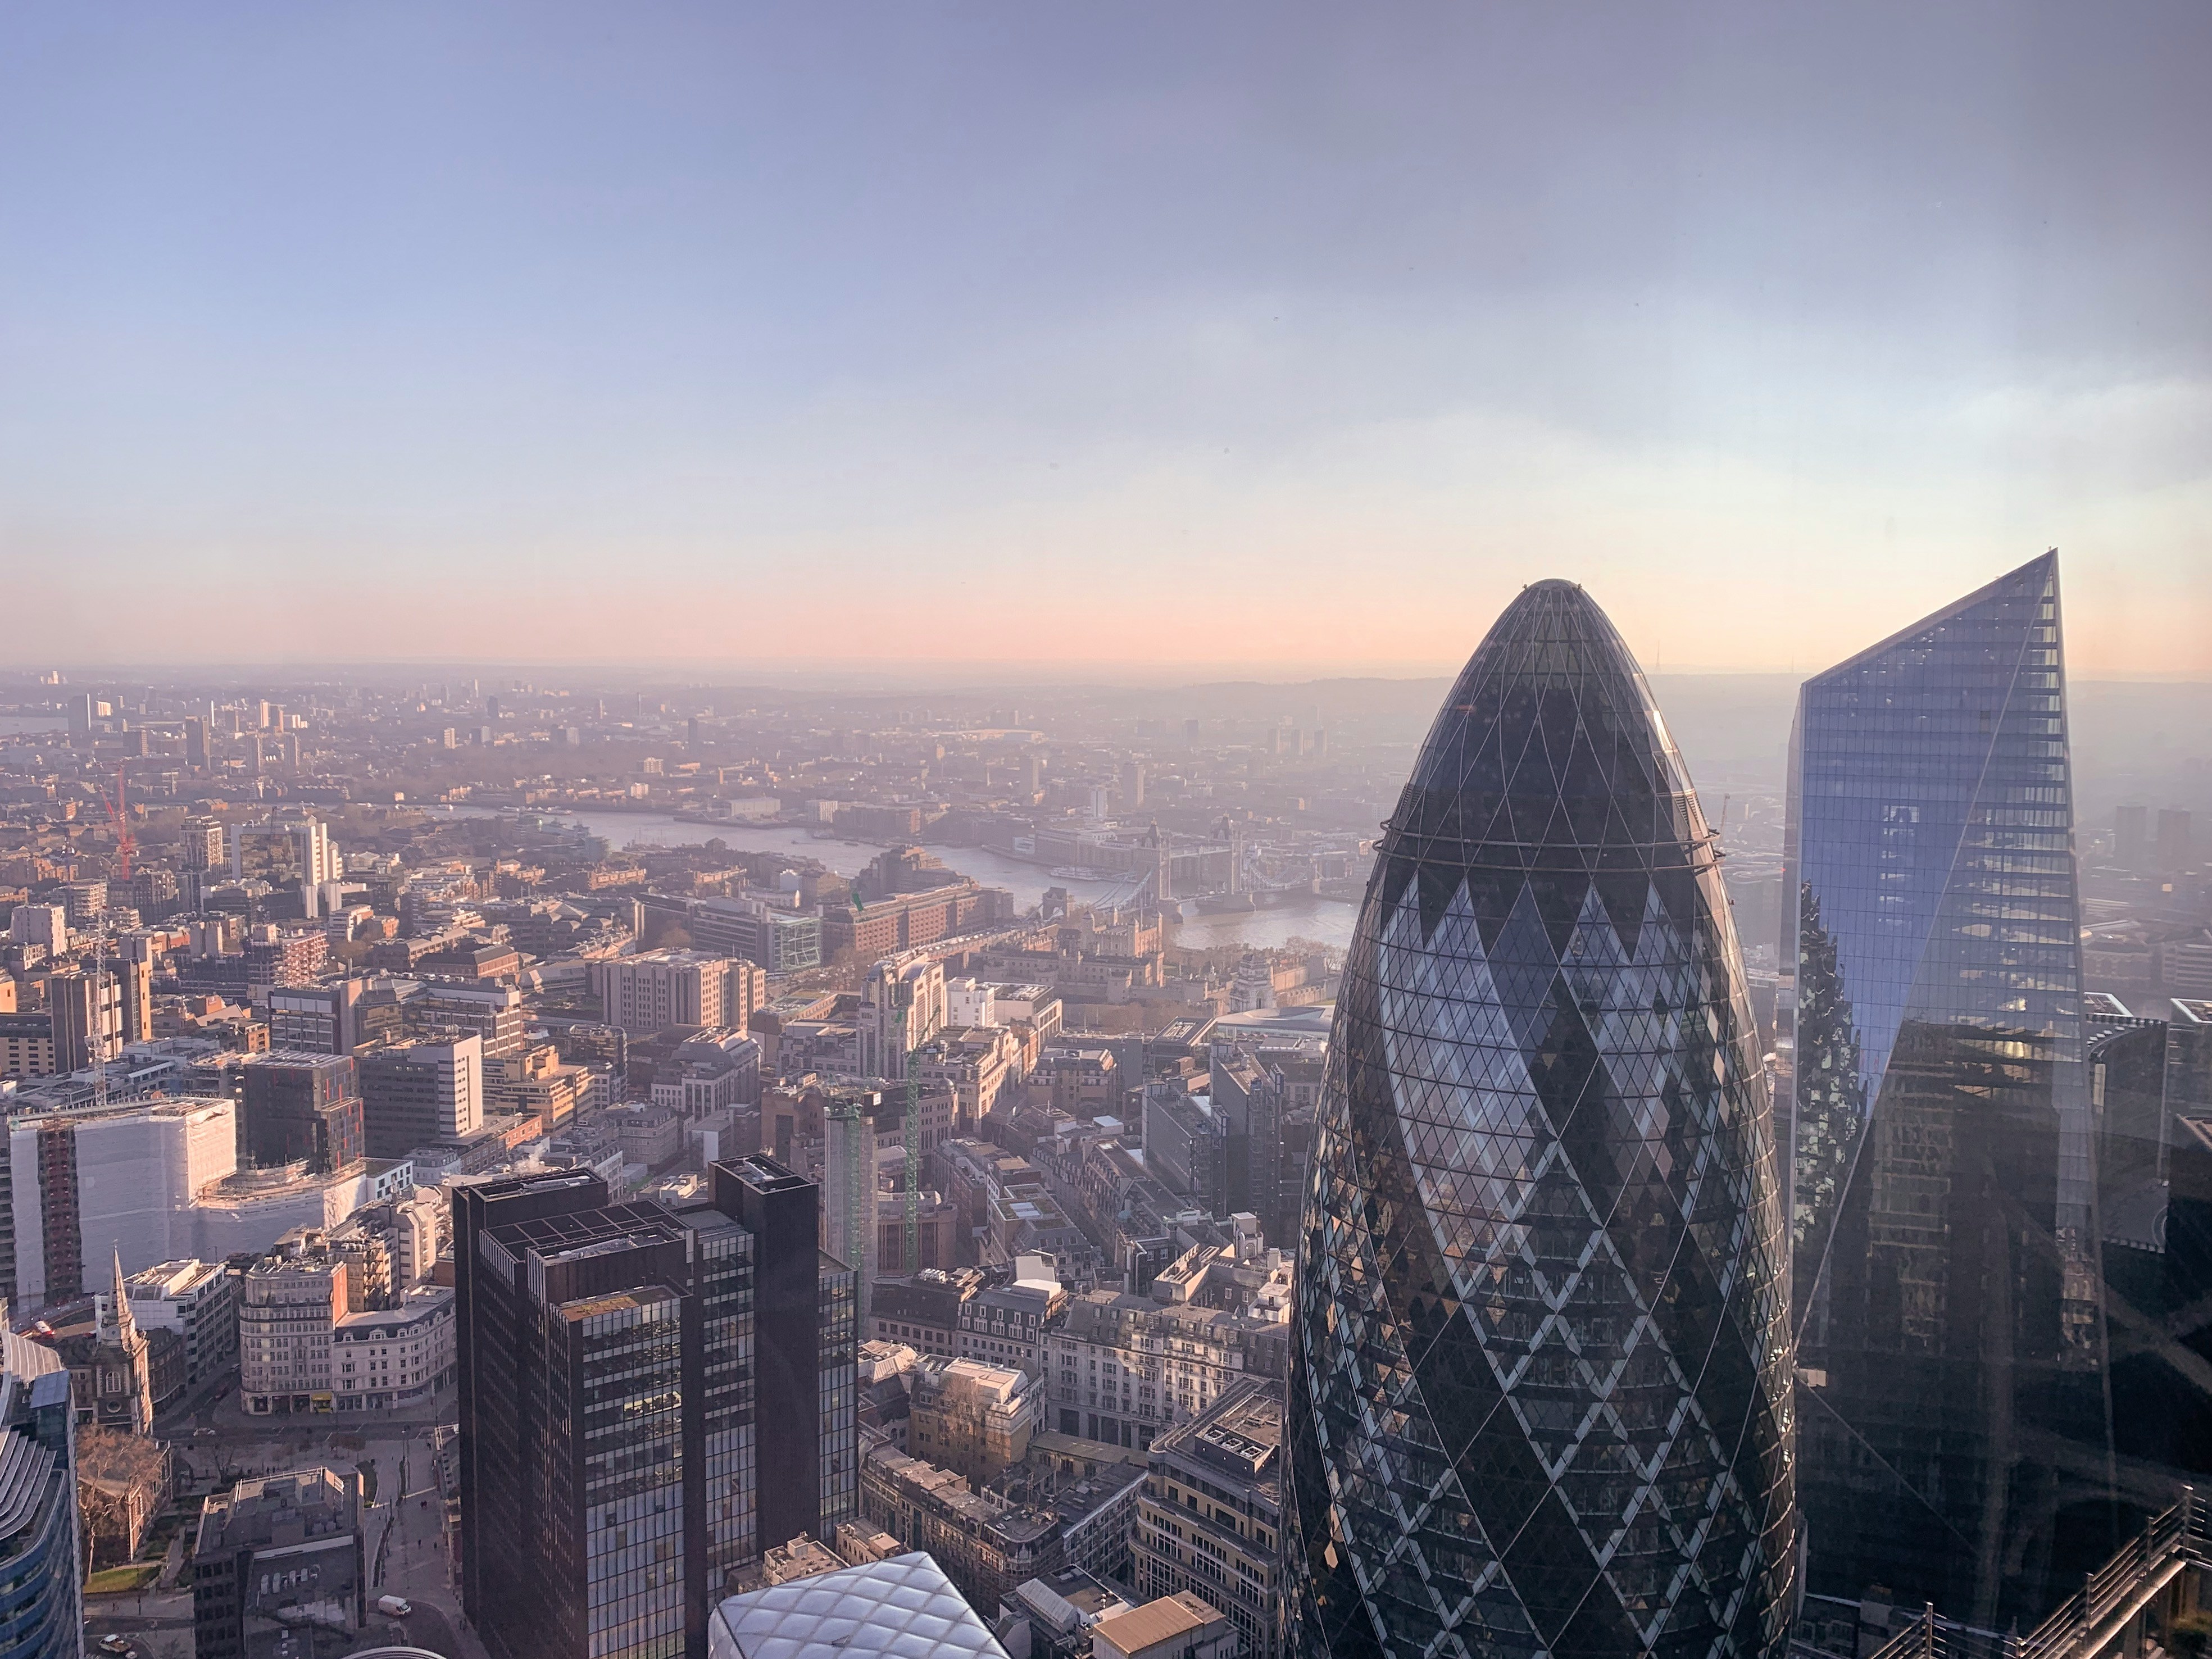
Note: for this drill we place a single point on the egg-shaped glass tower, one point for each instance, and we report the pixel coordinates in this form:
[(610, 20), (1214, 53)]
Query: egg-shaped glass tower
[(1540, 1395)]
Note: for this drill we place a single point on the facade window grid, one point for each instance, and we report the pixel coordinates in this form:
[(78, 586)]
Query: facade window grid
[(1543, 1050)]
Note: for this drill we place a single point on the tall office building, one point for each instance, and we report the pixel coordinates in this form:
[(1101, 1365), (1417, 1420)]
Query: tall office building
[(201, 847), (323, 1018), (41, 1592), (301, 1108), (134, 977), (46, 926), (88, 1019), (848, 1183), (648, 1398), (662, 988), (314, 852), (414, 1092), (1540, 1397), (1943, 1226)]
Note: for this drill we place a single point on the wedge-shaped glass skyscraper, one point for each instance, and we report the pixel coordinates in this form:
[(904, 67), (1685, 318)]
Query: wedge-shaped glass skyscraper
[(1540, 1396), (1946, 1279)]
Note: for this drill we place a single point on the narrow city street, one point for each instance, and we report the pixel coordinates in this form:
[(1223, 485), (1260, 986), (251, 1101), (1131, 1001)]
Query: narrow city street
[(403, 1517)]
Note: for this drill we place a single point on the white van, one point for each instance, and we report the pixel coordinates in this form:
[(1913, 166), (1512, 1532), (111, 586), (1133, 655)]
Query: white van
[(394, 1606)]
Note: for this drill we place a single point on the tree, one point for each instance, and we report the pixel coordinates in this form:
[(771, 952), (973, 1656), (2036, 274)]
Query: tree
[(1831, 1104)]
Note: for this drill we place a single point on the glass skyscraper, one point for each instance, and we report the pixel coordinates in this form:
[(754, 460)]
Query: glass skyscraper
[(1540, 1397), (1946, 1284), (41, 1590)]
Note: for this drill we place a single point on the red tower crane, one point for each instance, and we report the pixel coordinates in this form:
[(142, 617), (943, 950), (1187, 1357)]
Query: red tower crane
[(125, 843)]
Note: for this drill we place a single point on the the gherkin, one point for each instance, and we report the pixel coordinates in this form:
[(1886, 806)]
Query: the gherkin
[(1540, 1398)]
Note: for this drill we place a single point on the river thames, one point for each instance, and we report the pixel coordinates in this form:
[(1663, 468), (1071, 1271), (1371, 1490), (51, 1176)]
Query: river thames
[(1322, 919)]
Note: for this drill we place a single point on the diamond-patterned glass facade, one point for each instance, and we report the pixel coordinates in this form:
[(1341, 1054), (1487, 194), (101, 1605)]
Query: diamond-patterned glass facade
[(1540, 1397), (1956, 1434)]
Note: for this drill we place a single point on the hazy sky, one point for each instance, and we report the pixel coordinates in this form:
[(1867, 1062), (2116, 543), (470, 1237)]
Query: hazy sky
[(1205, 338)]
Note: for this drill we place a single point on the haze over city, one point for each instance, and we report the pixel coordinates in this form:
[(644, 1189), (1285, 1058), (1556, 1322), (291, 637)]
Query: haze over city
[(1105, 832), (1290, 341)]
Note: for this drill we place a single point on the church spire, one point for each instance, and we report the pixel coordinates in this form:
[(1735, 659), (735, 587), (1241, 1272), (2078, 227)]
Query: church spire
[(125, 1328)]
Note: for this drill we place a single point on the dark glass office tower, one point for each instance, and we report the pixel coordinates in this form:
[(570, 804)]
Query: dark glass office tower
[(1540, 1398), (301, 1108), (1945, 1246), (647, 1403)]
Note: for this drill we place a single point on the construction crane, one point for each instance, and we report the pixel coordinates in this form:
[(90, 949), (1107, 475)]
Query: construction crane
[(125, 843)]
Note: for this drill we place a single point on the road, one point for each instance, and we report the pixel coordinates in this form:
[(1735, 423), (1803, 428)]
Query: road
[(407, 1554), (404, 1548)]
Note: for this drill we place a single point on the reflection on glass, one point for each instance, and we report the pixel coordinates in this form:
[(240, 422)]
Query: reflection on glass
[(1539, 1400), (1945, 1282)]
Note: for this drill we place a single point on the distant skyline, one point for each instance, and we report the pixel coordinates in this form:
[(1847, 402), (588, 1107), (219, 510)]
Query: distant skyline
[(1141, 342)]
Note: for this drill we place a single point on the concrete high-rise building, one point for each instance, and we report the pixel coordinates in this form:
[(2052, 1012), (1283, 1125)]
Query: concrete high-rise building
[(1539, 1382), (42, 1593), (46, 926), (651, 992), (201, 847), (154, 893), (82, 901), (493, 1011), (314, 853), (848, 1185), (1944, 1233), (706, 1355), (1133, 785), (323, 1018), (196, 744), (79, 1185), (416, 1091), (88, 1018), (902, 1008), (135, 989)]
